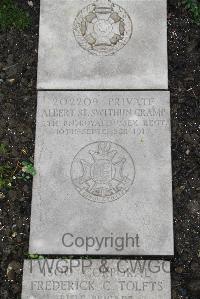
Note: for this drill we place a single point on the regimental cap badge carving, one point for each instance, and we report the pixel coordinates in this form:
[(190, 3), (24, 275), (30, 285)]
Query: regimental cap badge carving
[(102, 28), (102, 171)]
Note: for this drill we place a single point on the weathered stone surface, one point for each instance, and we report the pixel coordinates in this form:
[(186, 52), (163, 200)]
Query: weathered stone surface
[(103, 183), (103, 44), (96, 279)]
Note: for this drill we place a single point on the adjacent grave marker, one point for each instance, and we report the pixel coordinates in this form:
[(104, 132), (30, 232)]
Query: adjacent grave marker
[(104, 174), (103, 44), (96, 279)]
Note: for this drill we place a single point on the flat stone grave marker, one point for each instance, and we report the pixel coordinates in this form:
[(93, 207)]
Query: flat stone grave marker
[(103, 183), (96, 279), (103, 44)]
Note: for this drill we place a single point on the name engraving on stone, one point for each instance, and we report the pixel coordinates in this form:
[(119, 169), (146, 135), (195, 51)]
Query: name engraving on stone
[(104, 117), (97, 279)]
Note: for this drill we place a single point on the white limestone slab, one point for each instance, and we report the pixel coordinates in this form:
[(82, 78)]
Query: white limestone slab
[(103, 183), (88, 279), (103, 44)]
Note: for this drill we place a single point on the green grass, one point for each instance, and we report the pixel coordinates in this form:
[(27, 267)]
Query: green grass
[(194, 8), (11, 16), (35, 256)]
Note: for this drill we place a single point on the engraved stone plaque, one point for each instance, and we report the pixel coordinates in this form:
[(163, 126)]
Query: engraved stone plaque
[(103, 183), (103, 44), (96, 279)]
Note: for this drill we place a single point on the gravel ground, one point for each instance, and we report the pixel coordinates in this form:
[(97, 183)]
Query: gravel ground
[(18, 67)]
